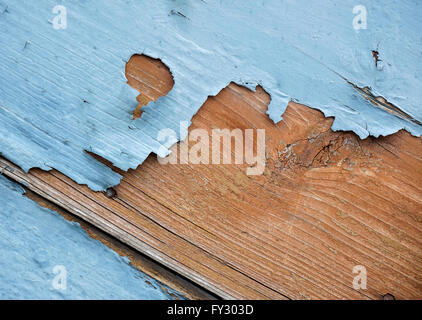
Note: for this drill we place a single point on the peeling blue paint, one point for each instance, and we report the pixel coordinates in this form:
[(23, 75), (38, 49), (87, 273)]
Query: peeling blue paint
[(64, 91), (34, 240)]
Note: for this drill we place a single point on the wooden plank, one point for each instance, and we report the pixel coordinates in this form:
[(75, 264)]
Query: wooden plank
[(139, 261), (326, 202)]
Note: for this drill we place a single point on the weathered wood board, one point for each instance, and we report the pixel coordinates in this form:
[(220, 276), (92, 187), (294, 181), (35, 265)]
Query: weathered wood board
[(144, 264), (326, 202)]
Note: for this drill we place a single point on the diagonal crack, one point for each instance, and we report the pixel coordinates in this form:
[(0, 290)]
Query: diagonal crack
[(381, 102)]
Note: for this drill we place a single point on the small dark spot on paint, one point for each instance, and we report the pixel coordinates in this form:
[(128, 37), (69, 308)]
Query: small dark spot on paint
[(388, 296), (174, 12), (375, 54), (26, 44), (5, 10), (84, 101), (110, 193)]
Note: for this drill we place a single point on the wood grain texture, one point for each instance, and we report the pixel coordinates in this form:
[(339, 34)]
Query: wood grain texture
[(326, 202), (139, 261)]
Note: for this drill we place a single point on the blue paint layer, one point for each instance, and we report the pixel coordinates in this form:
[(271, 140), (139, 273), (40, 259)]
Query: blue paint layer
[(64, 91), (34, 240)]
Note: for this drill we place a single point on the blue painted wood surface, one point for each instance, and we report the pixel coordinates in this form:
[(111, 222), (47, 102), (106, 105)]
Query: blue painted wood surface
[(64, 91)]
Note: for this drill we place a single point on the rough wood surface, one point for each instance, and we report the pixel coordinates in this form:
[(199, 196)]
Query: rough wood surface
[(139, 261), (326, 202)]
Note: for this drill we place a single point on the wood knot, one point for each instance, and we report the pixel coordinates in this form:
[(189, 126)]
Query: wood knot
[(110, 193), (388, 296)]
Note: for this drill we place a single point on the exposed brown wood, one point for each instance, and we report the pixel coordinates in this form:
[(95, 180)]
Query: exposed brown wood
[(151, 77), (139, 261), (134, 227), (326, 202)]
